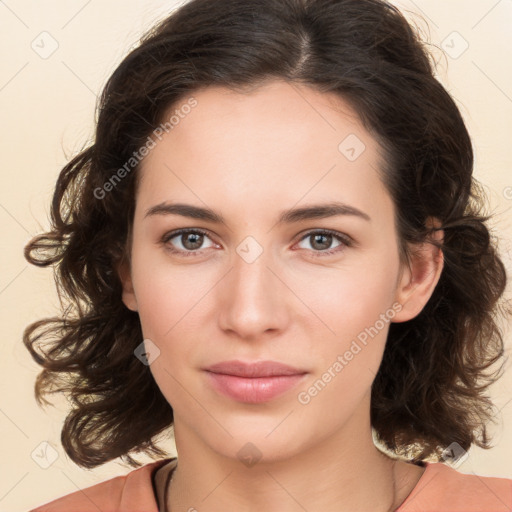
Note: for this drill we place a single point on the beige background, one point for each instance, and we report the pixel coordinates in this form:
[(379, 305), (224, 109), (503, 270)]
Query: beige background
[(48, 107)]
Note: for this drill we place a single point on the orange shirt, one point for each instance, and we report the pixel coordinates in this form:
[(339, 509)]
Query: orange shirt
[(441, 488)]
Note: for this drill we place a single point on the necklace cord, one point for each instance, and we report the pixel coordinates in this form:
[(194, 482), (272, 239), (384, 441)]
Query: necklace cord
[(171, 473), (166, 488)]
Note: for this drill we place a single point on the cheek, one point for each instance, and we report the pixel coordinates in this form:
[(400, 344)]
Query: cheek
[(166, 293), (355, 306), (358, 313), (167, 301), (350, 298)]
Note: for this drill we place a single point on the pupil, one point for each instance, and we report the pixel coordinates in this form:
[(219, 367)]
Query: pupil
[(195, 244), (326, 244)]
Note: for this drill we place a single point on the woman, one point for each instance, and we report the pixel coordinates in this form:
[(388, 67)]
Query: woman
[(275, 245)]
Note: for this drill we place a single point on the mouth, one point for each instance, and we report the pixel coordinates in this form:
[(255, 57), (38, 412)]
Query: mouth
[(256, 382)]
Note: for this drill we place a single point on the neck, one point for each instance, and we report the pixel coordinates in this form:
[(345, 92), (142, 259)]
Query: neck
[(344, 472)]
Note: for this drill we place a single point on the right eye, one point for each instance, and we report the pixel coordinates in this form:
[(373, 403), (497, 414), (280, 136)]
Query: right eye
[(190, 240)]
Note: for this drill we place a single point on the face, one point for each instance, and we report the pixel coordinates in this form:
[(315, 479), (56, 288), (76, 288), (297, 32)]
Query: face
[(315, 292)]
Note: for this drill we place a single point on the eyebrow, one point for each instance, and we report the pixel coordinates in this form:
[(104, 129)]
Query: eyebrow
[(314, 211)]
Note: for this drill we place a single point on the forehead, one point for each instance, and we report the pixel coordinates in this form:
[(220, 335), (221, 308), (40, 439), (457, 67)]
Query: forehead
[(276, 113), (276, 143)]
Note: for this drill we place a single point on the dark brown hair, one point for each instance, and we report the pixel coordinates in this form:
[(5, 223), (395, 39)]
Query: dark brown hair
[(429, 391)]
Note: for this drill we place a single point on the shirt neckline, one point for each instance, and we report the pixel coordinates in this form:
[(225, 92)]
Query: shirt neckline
[(172, 461), (419, 484)]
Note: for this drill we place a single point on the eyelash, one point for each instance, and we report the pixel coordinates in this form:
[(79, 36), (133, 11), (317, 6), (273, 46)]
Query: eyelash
[(344, 239)]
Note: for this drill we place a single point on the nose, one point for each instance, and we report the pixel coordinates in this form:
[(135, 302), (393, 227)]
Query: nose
[(252, 298)]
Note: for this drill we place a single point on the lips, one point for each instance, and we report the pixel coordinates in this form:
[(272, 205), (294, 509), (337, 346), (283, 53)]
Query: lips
[(256, 369), (255, 382)]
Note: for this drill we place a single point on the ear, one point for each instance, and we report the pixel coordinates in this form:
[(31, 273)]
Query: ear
[(417, 281), (128, 296)]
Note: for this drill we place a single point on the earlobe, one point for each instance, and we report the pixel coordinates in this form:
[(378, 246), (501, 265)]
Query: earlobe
[(419, 279), (128, 295)]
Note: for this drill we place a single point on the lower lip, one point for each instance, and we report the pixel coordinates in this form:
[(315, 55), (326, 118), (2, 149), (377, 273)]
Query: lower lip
[(255, 389)]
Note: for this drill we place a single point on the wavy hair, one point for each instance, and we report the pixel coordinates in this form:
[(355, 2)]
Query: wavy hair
[(430, 388)]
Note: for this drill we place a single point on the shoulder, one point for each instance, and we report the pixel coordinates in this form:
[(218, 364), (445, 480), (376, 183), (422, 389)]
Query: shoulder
[(442, 488), (126, 493)]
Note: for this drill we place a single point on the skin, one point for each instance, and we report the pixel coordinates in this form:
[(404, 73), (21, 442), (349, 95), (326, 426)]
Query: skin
[(248, 157)]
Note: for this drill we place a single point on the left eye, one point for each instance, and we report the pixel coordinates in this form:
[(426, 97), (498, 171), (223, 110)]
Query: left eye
[(191, 241), (323, 240)]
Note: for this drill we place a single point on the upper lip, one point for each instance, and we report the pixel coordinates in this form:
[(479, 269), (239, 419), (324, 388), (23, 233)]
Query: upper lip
[(253, 369)]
